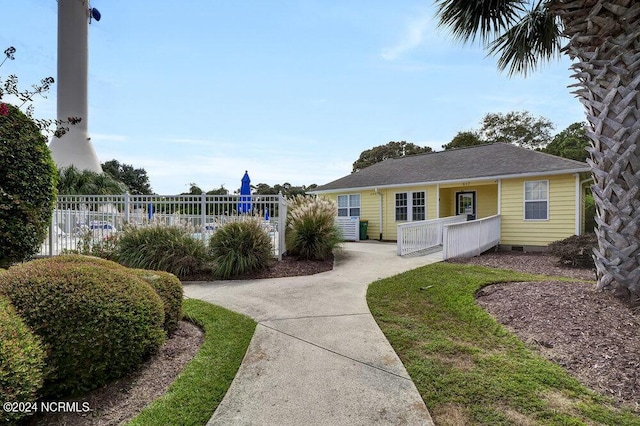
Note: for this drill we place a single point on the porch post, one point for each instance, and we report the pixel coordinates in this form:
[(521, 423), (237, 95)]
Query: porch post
[(499, 196), (578, 204), (438, 201)]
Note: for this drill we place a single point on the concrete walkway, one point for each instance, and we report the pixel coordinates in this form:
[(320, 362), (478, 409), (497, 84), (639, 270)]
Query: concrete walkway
[(317, 356)]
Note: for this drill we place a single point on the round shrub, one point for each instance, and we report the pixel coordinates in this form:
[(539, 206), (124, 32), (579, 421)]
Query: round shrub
[(166, 285), (238, 248), (311, 229), (161, 248), (97, 322), (27, 187), (21, 361), (169, 288)]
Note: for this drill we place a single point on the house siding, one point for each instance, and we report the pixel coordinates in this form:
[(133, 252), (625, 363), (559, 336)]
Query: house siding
[(562, 211)]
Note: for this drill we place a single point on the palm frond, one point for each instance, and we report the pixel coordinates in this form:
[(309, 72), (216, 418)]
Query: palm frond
[(534, 39), (468, 19)]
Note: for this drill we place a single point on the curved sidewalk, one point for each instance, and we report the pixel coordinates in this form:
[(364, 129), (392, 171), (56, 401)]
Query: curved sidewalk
[(317, 356)]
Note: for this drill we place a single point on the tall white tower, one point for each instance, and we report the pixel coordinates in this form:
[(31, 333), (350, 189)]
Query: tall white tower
[(74, 147)]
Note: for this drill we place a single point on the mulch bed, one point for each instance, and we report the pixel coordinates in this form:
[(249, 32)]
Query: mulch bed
[(288, 267), (593, 335)]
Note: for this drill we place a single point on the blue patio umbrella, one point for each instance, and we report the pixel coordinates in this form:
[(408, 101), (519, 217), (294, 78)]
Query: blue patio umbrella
[(244, 205)]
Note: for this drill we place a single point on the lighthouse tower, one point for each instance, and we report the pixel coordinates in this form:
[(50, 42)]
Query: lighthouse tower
[(74, 148)]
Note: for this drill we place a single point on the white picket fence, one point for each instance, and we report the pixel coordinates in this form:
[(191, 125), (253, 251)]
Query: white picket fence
[(81, 220), (471, 238), (424, 234)]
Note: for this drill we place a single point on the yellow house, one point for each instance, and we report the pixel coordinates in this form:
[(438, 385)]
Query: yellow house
[(538, 197)]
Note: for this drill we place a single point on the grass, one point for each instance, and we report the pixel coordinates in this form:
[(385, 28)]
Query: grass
[(467, 367), (195, 394)]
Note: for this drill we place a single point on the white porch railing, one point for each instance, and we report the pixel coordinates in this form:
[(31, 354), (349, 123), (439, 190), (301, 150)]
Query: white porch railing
[(423, 234), (350, 227), (470, 238), (81, 220)]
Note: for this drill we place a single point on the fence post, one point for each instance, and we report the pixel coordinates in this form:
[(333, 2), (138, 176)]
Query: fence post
[(282, 224), (445, 245), (400, 240), (203, 213), (126, 207)]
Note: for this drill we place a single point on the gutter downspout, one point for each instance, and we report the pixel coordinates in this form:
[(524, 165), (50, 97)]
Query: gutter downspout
[(380, 212)]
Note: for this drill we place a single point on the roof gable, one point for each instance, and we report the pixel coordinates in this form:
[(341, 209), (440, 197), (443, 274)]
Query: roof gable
[(482, 161)]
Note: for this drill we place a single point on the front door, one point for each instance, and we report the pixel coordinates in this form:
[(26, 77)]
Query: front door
[(466, 203)]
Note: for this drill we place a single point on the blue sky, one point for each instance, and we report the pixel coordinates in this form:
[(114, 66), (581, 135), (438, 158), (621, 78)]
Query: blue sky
[(292, 91)]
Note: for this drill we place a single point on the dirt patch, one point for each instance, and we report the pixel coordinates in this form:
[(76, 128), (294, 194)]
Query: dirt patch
[(593, 335)]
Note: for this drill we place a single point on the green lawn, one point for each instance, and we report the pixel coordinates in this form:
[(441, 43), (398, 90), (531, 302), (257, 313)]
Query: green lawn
[(195, 394), (466, 366)]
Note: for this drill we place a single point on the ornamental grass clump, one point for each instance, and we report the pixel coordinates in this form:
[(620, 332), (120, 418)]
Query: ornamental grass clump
[(97, 320), (238, 248), (311, 229), (161, 248)]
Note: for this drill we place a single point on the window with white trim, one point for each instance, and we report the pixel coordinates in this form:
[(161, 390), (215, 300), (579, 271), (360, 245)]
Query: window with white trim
[(411, 206), (536, 200), (349, 205)]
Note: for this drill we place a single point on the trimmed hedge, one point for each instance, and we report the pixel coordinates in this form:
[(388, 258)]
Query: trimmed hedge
[(165, 284), (21, 361), (99, 322), (169, 288), (27, 187), (576, 250), (238, 248)]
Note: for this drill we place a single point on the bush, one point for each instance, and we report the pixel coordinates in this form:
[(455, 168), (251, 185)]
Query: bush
[(576, 250), (98, 321), (161, 248), (169, 288), (238, 248), (166, 285), (27, 187), (311, 229), (21, 361)]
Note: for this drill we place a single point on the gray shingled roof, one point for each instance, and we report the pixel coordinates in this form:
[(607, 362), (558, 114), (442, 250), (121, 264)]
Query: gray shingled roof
[(483, 161)]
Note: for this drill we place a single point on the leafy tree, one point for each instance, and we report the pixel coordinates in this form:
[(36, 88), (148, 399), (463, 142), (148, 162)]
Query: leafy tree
[(571, 143), (464, 139), (72, 181), (194, 189), (265, 189), (286, 189), (136, 180), (10, 87), (27, 186), (602, 41), (518, 127), (220, 191), (390, 150)]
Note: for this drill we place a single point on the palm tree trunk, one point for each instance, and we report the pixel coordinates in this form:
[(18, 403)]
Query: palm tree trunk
[(605, 46)]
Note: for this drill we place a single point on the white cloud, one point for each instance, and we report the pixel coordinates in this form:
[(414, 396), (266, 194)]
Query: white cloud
[(413, 37)]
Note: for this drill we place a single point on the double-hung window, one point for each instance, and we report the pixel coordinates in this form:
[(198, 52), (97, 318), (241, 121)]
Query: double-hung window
[(536, 200), (411, 206), (349, 205)]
